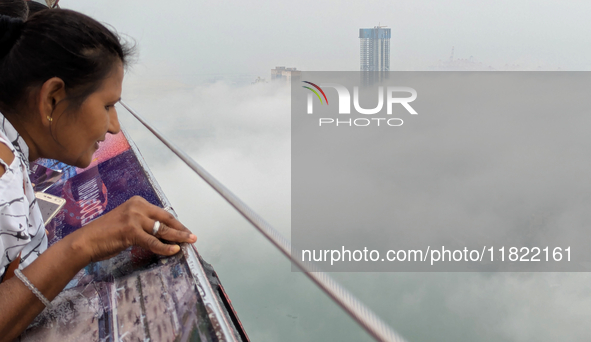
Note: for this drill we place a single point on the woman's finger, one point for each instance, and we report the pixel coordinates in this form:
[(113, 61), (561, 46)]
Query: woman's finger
[(167, 233), (151, 243), (165, 217)]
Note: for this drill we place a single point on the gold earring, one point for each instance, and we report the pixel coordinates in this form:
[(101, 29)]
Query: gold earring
[(50, 119)]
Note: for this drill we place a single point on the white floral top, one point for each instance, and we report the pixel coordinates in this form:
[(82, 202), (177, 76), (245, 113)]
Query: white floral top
[(21, 224)]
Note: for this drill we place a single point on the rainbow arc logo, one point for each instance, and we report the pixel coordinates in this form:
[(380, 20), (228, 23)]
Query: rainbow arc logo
[(315, 92)]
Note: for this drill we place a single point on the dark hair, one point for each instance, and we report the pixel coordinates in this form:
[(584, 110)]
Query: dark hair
[(35, 7), (14, 8), (55, 43)]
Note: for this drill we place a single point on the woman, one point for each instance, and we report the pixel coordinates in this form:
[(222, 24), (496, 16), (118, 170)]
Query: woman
[(61, 75)]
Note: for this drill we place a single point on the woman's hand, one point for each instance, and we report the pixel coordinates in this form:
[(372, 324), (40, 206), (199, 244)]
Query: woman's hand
[(127, 225), (130, 224)]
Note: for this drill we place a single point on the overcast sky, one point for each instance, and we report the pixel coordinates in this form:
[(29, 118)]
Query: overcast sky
[(201, 37)]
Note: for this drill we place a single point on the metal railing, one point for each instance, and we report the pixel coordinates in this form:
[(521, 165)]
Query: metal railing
[(375, 326)]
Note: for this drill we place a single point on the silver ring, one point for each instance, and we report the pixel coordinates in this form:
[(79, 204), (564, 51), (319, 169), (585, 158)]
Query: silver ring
[(156, 228)]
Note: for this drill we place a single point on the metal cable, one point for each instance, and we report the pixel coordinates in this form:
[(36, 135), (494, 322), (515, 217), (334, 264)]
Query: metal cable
[(357, 310)]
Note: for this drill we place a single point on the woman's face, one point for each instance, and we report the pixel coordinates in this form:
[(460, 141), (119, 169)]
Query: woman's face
[(79, 133)]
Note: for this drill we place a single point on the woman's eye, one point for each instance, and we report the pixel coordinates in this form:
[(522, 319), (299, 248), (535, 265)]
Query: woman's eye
[(108, 107)]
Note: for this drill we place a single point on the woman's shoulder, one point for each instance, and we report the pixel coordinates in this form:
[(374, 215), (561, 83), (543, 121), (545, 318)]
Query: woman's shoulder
[(6, 157)]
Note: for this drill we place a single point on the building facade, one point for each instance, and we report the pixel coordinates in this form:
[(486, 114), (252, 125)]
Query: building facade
[(285, 74), (375, 48), (374, 54)]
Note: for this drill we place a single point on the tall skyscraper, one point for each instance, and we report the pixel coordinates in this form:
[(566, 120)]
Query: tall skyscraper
[(375, 53), (375, 48)]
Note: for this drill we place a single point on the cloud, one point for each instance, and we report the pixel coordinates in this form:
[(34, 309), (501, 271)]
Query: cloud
[(242, 136)]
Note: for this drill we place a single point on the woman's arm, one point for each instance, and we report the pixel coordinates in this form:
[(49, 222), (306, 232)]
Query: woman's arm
[(49, 273), (125, 226)]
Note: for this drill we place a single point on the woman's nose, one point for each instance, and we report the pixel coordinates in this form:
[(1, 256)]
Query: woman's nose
[(114, 126)]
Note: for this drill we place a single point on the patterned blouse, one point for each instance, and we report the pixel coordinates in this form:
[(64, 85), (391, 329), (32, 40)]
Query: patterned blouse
[(21, 224)]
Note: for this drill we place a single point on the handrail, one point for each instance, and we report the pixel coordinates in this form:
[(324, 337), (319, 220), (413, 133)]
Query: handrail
[(377, 328)]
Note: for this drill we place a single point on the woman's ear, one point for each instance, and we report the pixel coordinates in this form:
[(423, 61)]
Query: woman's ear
[(52, 93)]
